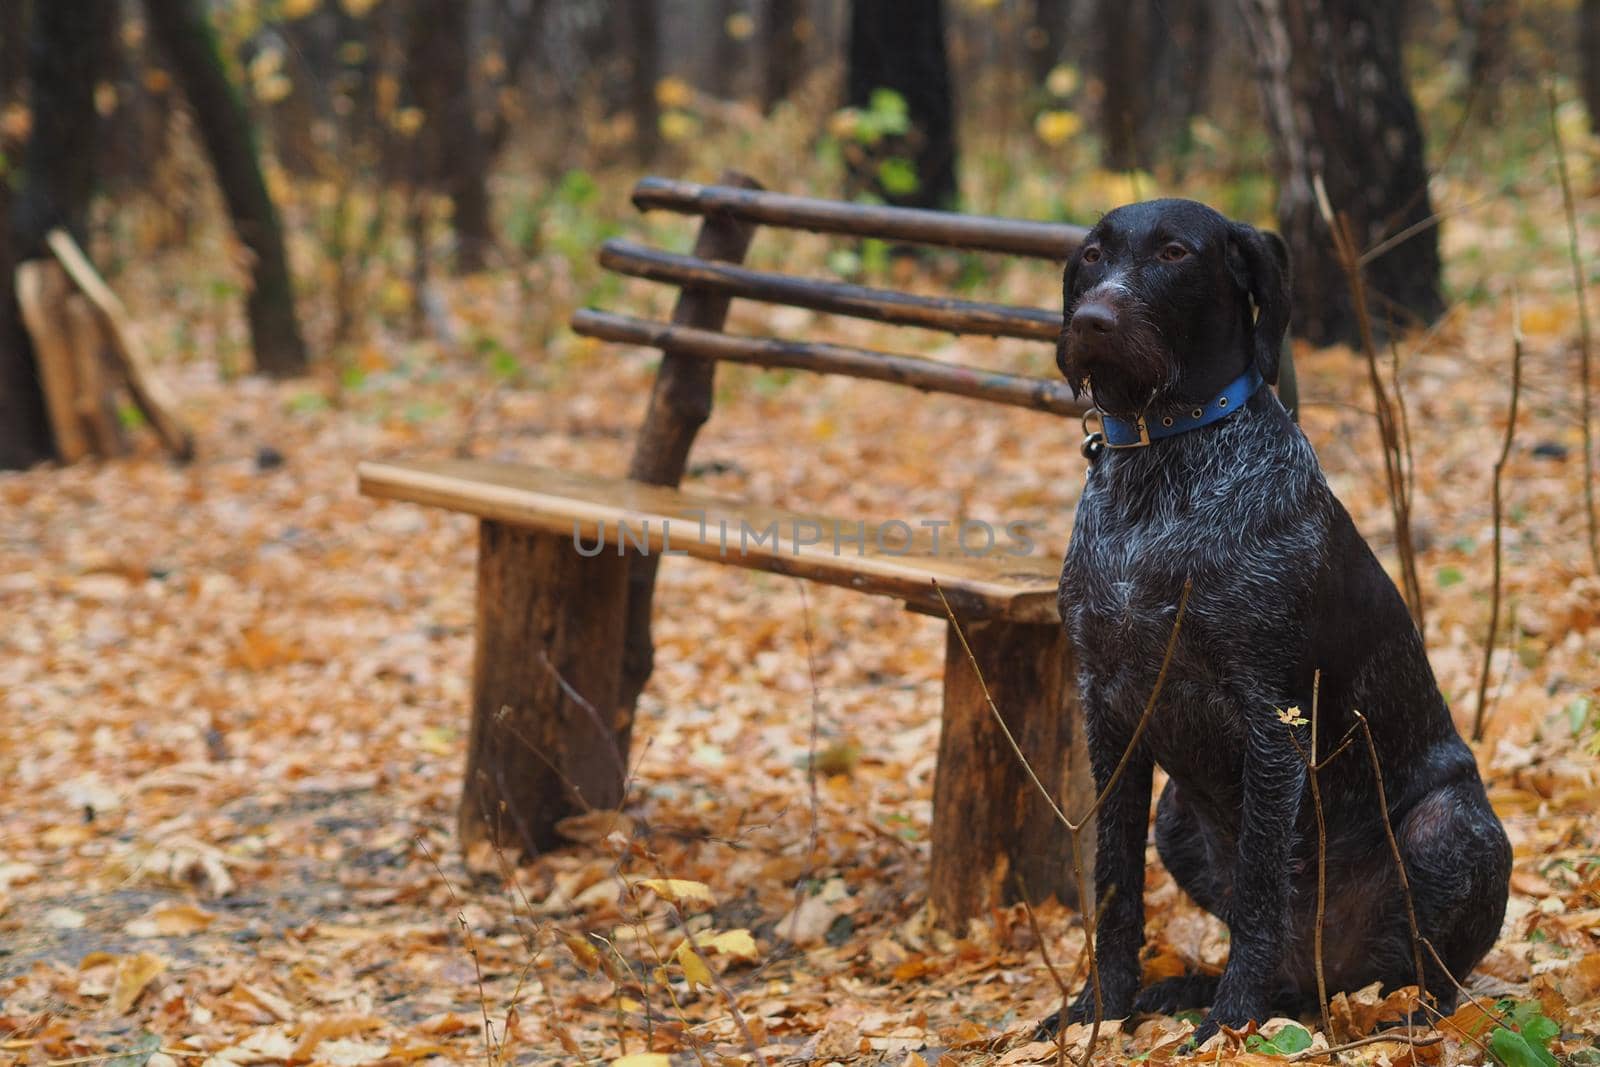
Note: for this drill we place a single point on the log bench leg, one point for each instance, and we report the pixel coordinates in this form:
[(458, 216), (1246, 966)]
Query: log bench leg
[(991, 828), (548, 737)]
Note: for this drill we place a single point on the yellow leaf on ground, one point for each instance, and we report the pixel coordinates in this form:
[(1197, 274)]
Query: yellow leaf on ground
[(736, 943), (678, 890), (643, 1059), (134, 973)]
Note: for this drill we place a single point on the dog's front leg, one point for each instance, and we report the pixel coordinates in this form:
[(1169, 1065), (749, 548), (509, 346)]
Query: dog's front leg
[(1123, 821), (1258, 911)]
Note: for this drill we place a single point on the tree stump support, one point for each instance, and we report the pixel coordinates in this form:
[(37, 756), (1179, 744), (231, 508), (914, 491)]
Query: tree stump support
[(548, 738), (994, 837)]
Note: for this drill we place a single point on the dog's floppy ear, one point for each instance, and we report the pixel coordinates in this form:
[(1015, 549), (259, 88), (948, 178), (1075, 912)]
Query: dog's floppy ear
[(1265, 259), (1069, 277)]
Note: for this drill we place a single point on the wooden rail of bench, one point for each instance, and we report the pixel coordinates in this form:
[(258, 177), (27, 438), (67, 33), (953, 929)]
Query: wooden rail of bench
[(835, 298), (976, 233), (928, 375)]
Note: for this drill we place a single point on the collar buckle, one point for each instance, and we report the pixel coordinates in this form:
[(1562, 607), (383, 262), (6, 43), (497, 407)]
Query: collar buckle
[(1144, 436)]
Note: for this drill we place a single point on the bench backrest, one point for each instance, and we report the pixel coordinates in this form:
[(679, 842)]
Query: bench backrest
[(708, 279)]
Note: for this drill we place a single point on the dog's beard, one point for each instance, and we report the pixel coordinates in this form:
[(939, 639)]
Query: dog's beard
[(1126, 376)]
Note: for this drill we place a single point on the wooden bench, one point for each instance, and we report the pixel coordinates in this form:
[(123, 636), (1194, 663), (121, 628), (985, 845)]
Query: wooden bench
[(563, 637)]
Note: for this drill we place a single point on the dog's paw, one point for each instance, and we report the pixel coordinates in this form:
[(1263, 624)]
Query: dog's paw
[(1116, 1004), (1172, 995), (1234, 1015)]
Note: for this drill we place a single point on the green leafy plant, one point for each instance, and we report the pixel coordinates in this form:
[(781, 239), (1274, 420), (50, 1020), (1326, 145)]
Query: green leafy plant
[(1527, 1042), (1285, 1042)]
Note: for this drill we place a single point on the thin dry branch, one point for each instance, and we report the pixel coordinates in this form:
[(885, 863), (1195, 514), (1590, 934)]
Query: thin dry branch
[(1310, 760), (1585, 339), (1481, 713), (493, 1050), (1409, 1036), (1399, 861), (1089, 927), (811, 762), (1391, 427)]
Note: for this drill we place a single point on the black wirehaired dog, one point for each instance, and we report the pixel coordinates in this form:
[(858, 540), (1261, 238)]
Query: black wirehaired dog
[(1175, 318)]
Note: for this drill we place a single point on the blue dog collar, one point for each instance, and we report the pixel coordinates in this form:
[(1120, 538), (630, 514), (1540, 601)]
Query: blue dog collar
[(1122, 433)]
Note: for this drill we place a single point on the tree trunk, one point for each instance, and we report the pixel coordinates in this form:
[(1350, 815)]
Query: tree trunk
[(1488, 29), (643, 27), (1046, 38), (183, 32), (13, 51), (450, 147), (1338, 107), (1589, 57), (1154, 68), (783, 52), (994, 839), (901, 47), (548, 737), (68, 47)]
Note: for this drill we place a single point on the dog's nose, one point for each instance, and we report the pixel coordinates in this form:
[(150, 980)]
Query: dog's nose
[(1094, 320)]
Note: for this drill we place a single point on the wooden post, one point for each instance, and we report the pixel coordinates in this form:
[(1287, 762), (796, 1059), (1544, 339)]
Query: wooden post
[(41, 294), (97, 408), (990, 825), (680, 403), (548, 738)]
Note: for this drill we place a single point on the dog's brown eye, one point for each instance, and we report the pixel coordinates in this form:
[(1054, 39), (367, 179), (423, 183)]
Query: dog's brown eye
[(1174, 252), (1091, 254)]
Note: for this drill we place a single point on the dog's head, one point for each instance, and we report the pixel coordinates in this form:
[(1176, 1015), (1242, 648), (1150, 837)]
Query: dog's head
[(1166, 301)]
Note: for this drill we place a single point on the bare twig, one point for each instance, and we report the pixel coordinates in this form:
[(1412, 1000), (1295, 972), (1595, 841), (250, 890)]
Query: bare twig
[(1461, 989), (1481, 713), (1055, 975), (811, 762), (1585, 340), (1391, 430), (1138, 730), (1089, 928), (1399, 861), (1409, 1036), (492, 1049), (1310, 760)]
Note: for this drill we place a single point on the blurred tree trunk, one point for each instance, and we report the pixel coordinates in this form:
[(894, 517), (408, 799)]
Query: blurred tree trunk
[(725, 50), (183, 32), (1046, 38), (783, 51), (901, 47), (451, 151), (1488, 26), (643, 28), (1338, 107), (518, 24), (13, 55), (1589, 57), (69, 46), (1154, 67)]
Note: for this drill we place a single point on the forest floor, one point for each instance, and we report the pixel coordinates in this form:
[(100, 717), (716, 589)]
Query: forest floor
[(232, 703)]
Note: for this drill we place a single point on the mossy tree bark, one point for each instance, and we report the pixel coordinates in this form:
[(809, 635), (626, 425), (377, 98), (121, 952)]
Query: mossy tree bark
[(182, 31)]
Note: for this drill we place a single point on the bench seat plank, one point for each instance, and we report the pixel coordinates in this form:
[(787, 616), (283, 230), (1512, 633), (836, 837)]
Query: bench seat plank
[(998, 585)]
